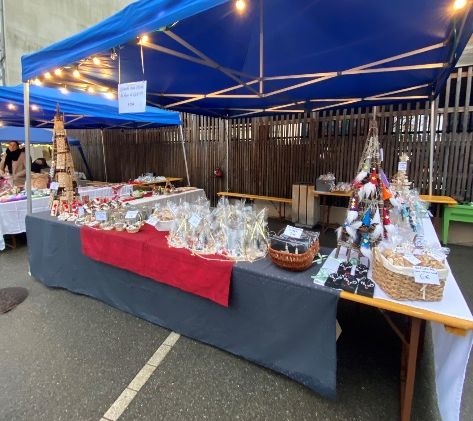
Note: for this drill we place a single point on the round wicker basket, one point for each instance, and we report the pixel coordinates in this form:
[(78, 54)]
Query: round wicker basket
[(402, 286), (294, 262)]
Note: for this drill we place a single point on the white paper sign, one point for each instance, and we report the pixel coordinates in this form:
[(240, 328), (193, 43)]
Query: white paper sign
[(101, 216), (426, 275), (331, 265), (152, 220), (412, 259), (419, 241), (293, 232), (131, 214), (438, 256), (195, 220), (81, 212), (417, 252), (132, 97), (402, 166), (54, 185)]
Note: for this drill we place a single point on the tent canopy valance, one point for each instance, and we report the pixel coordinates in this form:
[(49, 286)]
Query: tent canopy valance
[(38, 136), (275, 56), (82, 111)]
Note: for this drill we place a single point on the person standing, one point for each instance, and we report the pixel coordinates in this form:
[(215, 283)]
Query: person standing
[(15, 164)]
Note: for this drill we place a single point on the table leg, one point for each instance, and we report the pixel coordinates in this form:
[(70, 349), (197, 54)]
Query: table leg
[(445, 224), (408, 368)]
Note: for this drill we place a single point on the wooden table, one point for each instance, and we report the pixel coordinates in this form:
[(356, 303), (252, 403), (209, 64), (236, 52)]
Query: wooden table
[(147, 186), (271, 199), (439, 200), (324, 195), (459, 213)]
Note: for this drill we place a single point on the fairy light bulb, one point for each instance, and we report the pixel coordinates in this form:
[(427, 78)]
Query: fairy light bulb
[(37, 82), (34, 107), (58, 72), (109, 95), (144, 39), (96, 61), (240, 5), (48, 75), (63, 90), (91, 90), (11, 106), (459, 4), (1, 123), (76, 73)]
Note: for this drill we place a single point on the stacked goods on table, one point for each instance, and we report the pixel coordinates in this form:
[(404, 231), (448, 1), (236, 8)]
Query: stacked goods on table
[(234, 231), (10, 193), (149, 179)]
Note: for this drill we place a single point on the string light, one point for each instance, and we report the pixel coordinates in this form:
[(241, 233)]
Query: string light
[(63, 90), (459, 4), (91, 90), (76, 73), (240, 5), (109, 95), (1, 123), (37, 82), (11, 106), (144, 39), (34, 107), (58, 72), (47, 75), (96, 61)]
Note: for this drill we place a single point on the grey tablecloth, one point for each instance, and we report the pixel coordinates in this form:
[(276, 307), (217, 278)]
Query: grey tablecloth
[(277, 319)]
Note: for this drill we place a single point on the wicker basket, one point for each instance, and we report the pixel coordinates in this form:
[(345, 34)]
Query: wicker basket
[(294, 262), (401, 286)]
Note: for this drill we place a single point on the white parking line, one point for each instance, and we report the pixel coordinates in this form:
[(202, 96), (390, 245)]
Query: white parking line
[(126, 397)]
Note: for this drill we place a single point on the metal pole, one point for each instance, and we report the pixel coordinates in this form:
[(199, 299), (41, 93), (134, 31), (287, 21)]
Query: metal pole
[(261, 46), (184, 152), (432, 142), (103, 153), (26, 113), (227, 139)]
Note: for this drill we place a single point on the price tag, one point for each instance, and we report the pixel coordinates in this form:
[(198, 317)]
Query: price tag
[(195, 220), (438, 256), (152, 220), (402, 166), (131, 214), (81, 211), (293, 232), (419, 241), (412, 259), (54, 186), (417, 252), (426, 275), (101, 216)]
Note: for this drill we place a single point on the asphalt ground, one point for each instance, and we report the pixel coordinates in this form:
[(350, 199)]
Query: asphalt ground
[(69, 357)]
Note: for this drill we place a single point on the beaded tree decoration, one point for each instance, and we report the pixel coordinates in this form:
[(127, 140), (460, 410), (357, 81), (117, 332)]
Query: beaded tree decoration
[(367, 220)]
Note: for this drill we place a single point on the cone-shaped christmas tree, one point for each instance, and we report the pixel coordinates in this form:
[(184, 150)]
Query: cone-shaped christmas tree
[(62, 166), (367, 220)]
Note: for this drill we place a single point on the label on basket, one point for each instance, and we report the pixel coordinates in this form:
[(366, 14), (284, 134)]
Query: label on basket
[(81, 211), (412, 259), (402, 166), (417, 252), (54, 186), (152, 220), (101, 216), (293, 232), (131, 214), (438, 256), (419, 241), (195, 220), (426, 275)]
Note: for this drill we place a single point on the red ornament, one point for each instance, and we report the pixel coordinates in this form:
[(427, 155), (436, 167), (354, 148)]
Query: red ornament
[(218, 172), (374, 178), (386, 220)]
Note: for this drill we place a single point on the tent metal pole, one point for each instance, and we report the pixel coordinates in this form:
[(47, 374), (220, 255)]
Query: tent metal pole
[(432, 142), (261, 46), (26, 113), (227, 141), (181, 133), (103, 153)]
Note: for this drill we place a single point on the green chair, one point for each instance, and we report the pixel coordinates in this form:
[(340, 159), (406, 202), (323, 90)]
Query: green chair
[(459, 213)]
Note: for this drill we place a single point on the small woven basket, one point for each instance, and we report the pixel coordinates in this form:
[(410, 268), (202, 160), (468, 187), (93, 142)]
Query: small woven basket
[(292, 261), (402, 286)]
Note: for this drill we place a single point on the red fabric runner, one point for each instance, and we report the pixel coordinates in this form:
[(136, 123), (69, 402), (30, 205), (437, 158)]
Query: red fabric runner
[(148, 254)]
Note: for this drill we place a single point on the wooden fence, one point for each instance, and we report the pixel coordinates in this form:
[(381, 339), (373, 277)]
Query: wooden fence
[(267, 155)]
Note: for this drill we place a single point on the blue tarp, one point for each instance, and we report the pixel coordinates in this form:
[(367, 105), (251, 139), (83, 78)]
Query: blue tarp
[(38, 136), (82, 111), (303, 40)]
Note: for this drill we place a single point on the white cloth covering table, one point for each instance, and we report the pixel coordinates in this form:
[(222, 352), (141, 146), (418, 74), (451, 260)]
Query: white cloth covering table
[(104, 192), (186, 196), (12, 216)]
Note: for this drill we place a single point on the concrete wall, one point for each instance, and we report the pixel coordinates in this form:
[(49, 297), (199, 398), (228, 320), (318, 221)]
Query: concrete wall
[(34, 24)]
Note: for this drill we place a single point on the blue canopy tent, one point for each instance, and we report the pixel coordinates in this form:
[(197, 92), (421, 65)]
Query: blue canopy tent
[(39, 136), (272, 56)]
